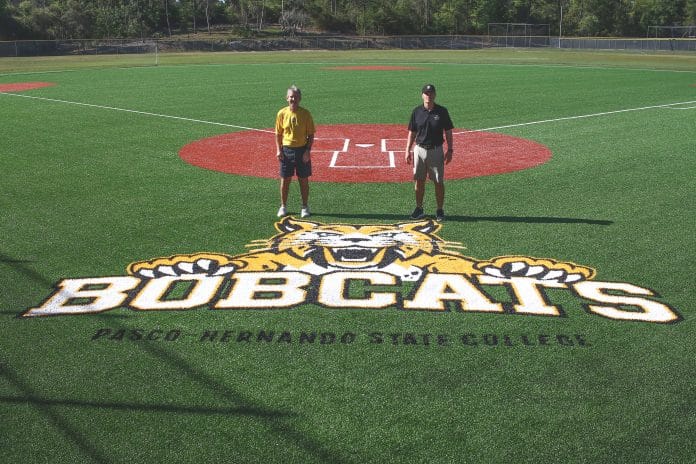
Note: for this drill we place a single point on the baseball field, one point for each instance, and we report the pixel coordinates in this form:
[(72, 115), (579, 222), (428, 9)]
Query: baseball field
[(153, 308)]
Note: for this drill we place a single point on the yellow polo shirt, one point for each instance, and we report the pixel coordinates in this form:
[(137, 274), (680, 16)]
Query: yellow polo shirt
[(295, 126)]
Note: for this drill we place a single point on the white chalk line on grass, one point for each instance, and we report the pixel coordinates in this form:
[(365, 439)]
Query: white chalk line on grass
[(113, 108), (593, 115), (488, 129)]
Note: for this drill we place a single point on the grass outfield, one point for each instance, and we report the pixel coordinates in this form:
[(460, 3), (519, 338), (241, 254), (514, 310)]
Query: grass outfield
[(92, 182)]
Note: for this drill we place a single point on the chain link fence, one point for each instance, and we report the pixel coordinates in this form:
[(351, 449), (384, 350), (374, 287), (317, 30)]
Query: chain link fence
[(27, 48), (75, 47), (667, 45)]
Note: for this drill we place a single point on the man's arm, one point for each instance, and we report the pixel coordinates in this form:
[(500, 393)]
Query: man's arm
[(310, 141), (409, 143), (279, 145), (450, 147)]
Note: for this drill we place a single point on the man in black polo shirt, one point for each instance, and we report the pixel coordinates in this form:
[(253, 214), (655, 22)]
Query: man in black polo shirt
[(429, 122)]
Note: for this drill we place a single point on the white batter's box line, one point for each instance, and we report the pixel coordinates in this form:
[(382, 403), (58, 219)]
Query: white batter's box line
[(334, 158), (386, 141), (343, 144)]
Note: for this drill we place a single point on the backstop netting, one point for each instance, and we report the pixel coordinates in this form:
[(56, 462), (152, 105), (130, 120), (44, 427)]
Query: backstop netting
[(672, 32), (518, 35)]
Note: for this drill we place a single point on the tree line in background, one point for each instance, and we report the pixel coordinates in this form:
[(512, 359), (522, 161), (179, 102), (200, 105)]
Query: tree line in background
[(80, 19)]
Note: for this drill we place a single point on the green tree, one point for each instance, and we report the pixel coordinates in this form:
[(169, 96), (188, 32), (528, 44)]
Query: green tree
[(661, 12), (690, 12), (394, 18), (451, 17), (445, 19), (64, 19), (9, 27)]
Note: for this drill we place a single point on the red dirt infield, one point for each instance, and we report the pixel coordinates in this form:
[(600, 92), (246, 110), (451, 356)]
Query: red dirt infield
[(20, 86), (363, 153)]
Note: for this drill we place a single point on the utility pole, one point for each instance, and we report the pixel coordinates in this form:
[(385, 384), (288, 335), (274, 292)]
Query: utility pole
[(560, 25)]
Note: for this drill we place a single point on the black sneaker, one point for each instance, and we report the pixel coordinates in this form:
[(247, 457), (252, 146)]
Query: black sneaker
[(417, 213), (439, 215)]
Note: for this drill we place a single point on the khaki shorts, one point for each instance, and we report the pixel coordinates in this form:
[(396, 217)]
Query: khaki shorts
[(430, 162)]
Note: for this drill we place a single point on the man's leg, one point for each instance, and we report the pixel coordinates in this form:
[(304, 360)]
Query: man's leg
[(304, 190), (420, 192), (437, 170), (419, 176), (284, 189), (440, 194)]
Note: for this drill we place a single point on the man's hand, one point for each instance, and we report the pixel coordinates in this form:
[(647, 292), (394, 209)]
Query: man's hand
[(448, 156)]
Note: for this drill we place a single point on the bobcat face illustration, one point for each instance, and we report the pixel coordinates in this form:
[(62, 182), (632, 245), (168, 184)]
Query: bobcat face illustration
[(406, 250)]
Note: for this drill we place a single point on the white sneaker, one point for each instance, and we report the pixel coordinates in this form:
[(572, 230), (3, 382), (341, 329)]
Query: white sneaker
[(282, 211), (305, 212)]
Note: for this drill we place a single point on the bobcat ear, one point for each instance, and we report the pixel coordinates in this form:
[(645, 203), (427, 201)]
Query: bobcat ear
[(288, 224), (427, 226)]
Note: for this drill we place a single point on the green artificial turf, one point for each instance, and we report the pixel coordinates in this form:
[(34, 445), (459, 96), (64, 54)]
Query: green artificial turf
[(89, 189)]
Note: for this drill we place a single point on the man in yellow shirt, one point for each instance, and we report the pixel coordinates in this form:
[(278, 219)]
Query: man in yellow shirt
[(294, 129)]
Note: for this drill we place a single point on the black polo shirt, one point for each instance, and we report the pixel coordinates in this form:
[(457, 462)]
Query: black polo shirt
[(430, 126)]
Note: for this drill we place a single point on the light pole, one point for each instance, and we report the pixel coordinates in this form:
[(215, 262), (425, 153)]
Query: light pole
[(560, 25)]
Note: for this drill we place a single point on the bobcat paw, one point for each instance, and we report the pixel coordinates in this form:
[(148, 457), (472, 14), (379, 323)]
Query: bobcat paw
[(547, 270), (201, 263)]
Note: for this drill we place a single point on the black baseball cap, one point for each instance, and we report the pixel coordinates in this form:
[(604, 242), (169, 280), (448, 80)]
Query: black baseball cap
[(427, 88)]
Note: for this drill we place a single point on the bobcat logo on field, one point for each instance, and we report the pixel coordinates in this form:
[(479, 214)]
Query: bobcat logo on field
[(406, 250), (359, 266)]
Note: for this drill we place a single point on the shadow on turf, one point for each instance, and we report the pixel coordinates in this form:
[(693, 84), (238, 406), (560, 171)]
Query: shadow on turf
[(460, 218), (59, 423), (167, 408), (271, 418), (21, 267), (240, 406)]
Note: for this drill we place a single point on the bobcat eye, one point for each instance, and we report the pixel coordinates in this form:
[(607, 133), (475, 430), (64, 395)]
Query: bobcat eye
[(386, 235)]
